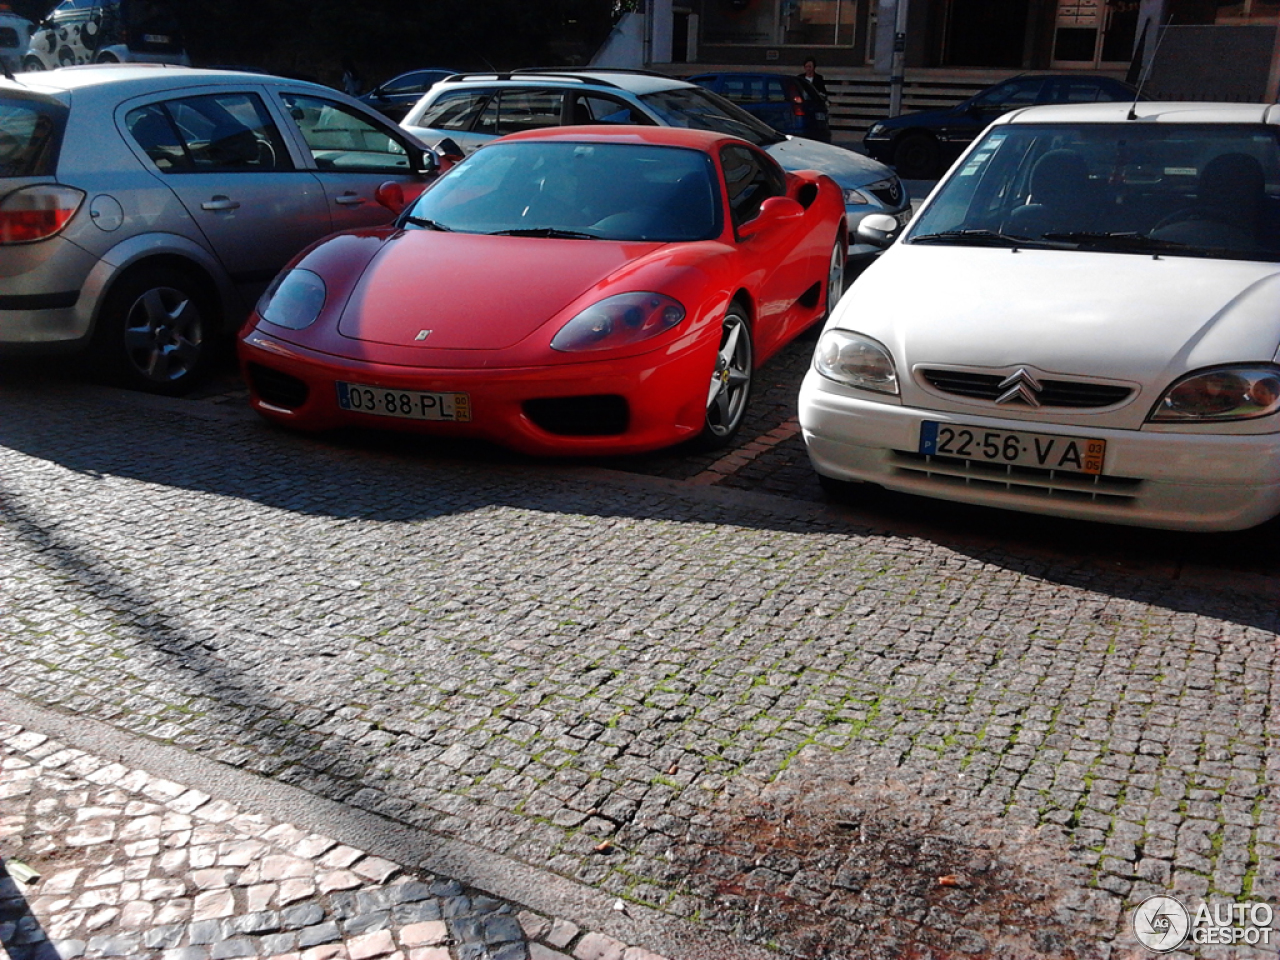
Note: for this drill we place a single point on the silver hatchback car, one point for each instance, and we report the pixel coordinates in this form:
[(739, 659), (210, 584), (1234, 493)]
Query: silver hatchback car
[(143, 209)]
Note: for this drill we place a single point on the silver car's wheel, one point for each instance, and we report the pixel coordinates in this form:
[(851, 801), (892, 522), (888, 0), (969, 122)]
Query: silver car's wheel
[(154, 331), (730, 387), (835, 278)]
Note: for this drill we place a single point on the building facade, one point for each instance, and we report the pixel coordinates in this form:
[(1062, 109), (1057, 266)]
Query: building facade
[(1113, 36)]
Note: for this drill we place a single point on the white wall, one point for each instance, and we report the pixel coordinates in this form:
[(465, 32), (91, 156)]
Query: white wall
[(624, 47)]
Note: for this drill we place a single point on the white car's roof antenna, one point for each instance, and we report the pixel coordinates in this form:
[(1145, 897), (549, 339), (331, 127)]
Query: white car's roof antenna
[(1146, 71)]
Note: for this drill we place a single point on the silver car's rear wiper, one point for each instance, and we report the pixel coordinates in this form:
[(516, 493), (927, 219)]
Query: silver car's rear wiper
[(428, 224), (552, 232)]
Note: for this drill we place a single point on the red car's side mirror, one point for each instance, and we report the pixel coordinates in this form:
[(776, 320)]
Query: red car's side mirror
[(390, 195), (774, 211)]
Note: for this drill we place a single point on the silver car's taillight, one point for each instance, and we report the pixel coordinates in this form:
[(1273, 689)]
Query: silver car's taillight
[(34, 213)]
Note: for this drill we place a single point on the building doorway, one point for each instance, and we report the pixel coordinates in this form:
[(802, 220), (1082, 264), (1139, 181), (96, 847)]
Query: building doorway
[(985, 33)]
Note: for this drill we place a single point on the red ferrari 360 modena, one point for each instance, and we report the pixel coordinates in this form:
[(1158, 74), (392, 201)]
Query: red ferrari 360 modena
[(575, 290)]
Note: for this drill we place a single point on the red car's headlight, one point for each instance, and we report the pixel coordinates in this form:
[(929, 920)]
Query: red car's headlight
[(293, 300), (619, 321), (1228, 393)]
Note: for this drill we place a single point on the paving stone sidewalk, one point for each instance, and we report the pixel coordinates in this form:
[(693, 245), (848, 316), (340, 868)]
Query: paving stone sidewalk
[(138, 866)]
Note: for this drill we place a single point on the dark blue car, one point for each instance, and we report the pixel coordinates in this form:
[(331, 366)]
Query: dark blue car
[(394, 98), (920, 146), (790, 105)]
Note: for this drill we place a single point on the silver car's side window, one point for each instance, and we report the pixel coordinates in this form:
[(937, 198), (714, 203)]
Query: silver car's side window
[(593, 108), (223, 132), (340, 138), (455, 111), (515, 110)]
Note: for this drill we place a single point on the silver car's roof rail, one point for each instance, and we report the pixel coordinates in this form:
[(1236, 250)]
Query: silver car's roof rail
[(525, 75), (582, 71)]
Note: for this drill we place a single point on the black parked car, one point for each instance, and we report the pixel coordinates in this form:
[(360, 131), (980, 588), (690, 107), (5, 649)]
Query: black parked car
[(788, 104), (394, 97), (922, 145)]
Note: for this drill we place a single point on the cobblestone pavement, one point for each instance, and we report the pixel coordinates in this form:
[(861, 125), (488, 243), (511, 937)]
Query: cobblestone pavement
[(137, 865), (807, 728)]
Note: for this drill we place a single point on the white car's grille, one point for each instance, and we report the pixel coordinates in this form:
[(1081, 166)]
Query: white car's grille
[(1032, 481), (1053, 393)]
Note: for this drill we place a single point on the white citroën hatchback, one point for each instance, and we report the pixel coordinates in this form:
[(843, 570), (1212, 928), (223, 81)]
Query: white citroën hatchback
[(1083, 320)]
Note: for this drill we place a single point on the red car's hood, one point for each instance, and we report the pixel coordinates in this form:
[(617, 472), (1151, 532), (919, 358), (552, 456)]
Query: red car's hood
[(473, 292)]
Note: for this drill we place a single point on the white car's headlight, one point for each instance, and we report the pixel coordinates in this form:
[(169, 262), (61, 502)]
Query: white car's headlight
[(1225, 393), (856, 361), (293, 300)]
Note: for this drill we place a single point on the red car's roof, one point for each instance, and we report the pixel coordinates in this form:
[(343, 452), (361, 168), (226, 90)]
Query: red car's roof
[(617, 133)]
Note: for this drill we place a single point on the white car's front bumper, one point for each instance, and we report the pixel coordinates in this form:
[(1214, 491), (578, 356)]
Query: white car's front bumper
[(1178, 481)]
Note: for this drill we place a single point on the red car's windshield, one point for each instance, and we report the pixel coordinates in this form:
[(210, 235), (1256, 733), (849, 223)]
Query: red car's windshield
[(608, 191)]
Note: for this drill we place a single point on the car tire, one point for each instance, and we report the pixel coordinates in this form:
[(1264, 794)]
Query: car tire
[(730, 388), (155, 332), (917, 157), (835, 278), (32, 64)]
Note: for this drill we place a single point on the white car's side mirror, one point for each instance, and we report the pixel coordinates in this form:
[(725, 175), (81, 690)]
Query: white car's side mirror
[(878, 229)]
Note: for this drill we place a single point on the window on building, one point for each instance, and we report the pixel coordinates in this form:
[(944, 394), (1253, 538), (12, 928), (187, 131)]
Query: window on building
[(1252, 11)]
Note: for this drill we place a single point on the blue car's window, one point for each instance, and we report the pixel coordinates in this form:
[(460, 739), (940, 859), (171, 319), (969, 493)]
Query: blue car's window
[(602, 191), (1176, 189)]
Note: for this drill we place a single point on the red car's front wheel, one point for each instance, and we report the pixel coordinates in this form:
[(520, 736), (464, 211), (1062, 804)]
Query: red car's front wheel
[(730, 387)]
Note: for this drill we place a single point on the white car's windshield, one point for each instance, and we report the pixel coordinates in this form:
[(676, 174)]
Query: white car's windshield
[(1176, 189), (700, 110)]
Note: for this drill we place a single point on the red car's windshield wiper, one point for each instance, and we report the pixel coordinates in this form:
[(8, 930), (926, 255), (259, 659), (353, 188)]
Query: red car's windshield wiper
[(552, 232), (429, 224)]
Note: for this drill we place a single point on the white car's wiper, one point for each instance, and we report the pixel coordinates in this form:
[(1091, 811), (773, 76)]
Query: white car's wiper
[(1119, 240), (428, 224), (989, 238), (552, 232)]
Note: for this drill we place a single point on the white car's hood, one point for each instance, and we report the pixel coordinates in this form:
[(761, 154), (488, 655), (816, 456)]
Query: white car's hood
[(1119, 317), (845, 167)]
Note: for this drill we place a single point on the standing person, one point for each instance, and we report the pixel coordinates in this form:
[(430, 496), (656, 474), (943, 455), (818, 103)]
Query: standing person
[(811, 74), (352, 83)]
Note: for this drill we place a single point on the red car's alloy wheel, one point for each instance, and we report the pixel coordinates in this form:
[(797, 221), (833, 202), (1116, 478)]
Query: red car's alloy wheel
[(730, 387)]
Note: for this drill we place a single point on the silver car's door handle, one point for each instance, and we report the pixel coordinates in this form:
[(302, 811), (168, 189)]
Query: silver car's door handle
[(349, 199), (220, 203)]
